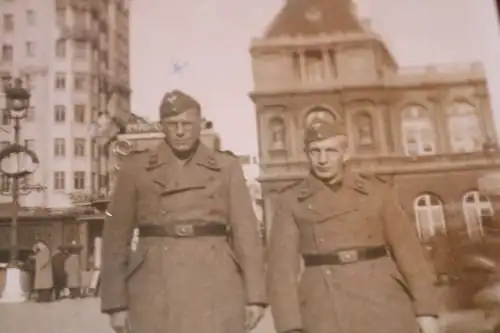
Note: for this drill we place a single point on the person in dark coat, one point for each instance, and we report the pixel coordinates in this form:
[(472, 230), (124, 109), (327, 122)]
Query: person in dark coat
[(195, 264), (364, 269), (58, 272)]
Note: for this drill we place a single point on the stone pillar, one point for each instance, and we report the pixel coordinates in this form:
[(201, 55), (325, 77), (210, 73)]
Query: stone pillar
[(440, 120), (302, 64), (379, 128), (485, 114), (97, 252), (83, 241), (327, 61)]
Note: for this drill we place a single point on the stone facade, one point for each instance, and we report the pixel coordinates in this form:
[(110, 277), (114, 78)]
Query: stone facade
[(426, 129)]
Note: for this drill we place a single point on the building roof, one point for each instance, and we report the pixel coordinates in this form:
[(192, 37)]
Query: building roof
[(312, 17)]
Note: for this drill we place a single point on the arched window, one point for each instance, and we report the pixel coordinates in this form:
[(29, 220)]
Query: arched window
[(277, 131), (364, 129), (475, 206), (464, 128), (429, 216), (417, 131)]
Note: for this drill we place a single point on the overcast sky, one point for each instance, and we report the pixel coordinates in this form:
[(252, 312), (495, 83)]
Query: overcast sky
[(212, 37)]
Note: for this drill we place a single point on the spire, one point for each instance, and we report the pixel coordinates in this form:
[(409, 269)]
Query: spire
[(312, 17)]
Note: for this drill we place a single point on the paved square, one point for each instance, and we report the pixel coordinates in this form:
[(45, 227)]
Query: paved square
[(66, 316)]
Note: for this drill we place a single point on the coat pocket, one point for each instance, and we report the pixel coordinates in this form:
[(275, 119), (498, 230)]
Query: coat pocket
[(136, 259), (404, 286)]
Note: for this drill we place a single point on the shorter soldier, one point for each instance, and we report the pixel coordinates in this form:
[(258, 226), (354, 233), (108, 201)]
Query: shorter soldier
[(346, 228)]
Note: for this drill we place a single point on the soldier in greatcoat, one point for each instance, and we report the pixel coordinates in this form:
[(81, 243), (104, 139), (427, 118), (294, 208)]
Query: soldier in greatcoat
[(364, 269), (197, 263)]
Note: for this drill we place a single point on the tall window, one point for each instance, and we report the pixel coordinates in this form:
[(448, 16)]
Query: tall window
[(79, 147), (5, 183), (59, 180), (59, 113), (5, 119), (80, 50), (59, 147), (60, 81), (79, 180), (61, 16), (429, 216), (464, 128), (8, 22), (7, 53), (31, 17), (61, 48), (315, 67), (30, 49), (417, 131), (30, 113), (30, 144), (80, 81), (475, 206), (79, 113)]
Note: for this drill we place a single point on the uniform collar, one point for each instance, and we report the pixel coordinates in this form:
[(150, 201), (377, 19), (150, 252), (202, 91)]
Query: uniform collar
[(312, 185), (163, 154)]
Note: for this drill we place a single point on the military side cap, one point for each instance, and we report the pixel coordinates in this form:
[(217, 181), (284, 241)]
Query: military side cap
[(320, 129), (177, 102)]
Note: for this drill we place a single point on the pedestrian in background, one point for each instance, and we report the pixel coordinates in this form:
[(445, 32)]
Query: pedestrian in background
[(43, 272), (73, 272), (58, 271)]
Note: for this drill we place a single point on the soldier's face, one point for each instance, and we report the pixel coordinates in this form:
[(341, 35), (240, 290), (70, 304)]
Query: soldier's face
[(182, 131), (327, 156)]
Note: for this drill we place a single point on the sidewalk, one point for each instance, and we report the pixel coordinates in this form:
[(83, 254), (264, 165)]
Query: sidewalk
[(83, 316), (66, 316)]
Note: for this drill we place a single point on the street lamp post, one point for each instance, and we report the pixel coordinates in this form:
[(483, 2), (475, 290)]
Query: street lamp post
[(15, 106)]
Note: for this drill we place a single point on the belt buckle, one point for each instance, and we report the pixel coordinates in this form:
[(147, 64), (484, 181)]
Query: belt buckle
[(184, 230), (348, 256)]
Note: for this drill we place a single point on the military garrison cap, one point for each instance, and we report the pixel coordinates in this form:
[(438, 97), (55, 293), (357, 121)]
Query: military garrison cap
[(320, 129), (177, 102)]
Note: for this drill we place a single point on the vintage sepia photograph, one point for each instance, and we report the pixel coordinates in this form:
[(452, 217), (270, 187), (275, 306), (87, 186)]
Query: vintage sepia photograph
[(236, 166)]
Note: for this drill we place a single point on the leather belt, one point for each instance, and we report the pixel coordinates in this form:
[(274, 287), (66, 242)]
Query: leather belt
[(348, 256), (184, 230)]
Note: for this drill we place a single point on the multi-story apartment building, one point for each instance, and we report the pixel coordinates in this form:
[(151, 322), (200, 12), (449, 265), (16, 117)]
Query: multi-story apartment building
[(428, 130), (74, 57)]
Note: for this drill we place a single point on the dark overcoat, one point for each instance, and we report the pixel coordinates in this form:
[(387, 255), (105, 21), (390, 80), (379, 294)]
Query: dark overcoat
[(182, 285), (383, 295)]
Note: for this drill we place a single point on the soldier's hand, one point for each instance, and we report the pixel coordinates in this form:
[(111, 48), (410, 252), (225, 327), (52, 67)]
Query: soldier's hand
[(429, 324), (254, 314), (119, 322)]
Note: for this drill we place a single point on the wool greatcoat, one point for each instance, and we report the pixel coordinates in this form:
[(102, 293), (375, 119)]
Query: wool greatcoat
[(182, 285), (382, 295)]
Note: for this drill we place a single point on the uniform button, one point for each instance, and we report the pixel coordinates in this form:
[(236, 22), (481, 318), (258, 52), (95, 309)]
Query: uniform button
[(163, 212), (165, 248), (328, 272)]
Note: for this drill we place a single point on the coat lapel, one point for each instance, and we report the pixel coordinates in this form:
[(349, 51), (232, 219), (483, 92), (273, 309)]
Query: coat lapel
[(171, 178), (321, 202)]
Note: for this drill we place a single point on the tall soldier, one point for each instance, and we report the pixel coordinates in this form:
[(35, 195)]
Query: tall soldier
[(198, 265), (364, 268)]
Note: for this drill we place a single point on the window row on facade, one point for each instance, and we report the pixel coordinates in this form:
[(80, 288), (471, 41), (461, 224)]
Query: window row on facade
[(430, 216), (26, 18), (60, 181), (60, 150), (418, 127)]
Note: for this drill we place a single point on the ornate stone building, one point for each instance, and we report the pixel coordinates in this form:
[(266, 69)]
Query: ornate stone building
[(429, 130)]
